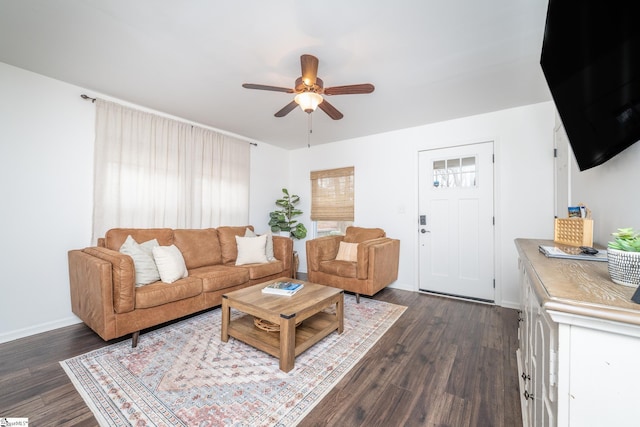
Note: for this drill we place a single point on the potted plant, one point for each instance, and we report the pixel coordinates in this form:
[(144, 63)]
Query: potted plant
[(282, 219), (623, 255)]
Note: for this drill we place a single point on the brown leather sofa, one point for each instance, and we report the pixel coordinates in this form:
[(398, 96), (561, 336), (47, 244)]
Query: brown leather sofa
[(105, 297), (373, 264)]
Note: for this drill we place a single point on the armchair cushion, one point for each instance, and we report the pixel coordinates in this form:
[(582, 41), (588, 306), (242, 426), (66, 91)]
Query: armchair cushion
[(347, 252), (360, 234), (339, 268)]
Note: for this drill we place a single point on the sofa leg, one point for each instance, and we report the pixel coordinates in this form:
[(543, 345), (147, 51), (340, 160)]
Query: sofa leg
[(134, 339), (357, 298)]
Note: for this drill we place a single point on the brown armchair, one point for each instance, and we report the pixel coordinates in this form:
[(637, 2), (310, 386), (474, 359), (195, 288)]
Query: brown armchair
[(362, 261)]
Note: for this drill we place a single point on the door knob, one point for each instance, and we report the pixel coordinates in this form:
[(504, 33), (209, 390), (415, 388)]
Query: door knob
[(422, 230)]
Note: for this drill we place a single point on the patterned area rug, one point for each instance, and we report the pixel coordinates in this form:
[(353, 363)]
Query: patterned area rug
[(183, 375)]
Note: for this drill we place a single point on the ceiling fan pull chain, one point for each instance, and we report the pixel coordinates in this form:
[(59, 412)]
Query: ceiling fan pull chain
[(310, 131)]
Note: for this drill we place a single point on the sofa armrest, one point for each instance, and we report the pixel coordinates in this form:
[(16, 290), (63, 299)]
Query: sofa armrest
[(123, 277), (91, 292), (322, 249), (378, 259), (283, 251)]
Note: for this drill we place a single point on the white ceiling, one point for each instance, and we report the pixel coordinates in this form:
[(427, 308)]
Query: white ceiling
[(430, 60)]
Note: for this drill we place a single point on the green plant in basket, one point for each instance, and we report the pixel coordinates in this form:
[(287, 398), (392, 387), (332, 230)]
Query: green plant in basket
[(626, 239)]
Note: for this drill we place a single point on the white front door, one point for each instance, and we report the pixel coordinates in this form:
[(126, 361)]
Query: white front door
[(456, 221)]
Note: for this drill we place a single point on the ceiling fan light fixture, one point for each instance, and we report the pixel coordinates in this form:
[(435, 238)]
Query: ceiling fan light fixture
[(308, 101)]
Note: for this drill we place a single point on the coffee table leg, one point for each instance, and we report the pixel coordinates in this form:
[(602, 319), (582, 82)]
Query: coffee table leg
[(287, 343), (340, 312), (226, 316)]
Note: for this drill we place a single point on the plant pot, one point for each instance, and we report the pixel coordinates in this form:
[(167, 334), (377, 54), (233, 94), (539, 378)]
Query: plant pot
[(285, 233), (624, 267)]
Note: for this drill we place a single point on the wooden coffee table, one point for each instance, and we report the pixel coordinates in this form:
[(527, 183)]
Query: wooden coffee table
[(304, 306)]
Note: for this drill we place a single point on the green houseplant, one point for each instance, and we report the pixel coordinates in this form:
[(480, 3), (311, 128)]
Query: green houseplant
[(623, 256), (282, 219)]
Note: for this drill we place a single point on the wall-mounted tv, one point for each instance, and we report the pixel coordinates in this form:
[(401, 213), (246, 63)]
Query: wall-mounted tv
[(591, 61)]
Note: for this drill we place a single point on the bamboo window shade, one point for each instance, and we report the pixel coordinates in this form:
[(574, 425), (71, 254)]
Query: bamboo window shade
[(332, 194)]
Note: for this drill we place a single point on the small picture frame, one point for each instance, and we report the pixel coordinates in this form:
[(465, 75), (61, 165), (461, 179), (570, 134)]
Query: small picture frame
[(575, 212)]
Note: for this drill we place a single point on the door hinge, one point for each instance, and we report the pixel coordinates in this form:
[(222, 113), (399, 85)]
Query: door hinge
[(494, 283), (555, 152), (494, 220), (493, 158)]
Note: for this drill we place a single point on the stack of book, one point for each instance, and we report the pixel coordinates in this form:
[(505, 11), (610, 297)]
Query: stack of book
[(282, 288)]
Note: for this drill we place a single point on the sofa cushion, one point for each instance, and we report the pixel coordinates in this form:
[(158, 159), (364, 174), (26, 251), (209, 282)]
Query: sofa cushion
[(360, 234), (143, 262), (170, 263), (115, 237), (258, 271), (216, 277), (338, 268), (160, 293), (227, 237), (251, 250), (198, 247)]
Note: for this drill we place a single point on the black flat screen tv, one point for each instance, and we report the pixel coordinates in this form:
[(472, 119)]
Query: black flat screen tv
[(591, 61)]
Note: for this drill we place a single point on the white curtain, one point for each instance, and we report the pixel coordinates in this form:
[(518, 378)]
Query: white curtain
[(151, 171)]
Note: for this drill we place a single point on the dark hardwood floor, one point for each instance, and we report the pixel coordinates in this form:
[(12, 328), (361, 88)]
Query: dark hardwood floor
[(445, 362)]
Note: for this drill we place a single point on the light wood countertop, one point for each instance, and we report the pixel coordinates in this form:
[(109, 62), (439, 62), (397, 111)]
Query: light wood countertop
[(577, 287)]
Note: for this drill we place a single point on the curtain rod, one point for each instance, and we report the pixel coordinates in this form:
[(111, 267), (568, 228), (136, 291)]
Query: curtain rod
[(87, 97)]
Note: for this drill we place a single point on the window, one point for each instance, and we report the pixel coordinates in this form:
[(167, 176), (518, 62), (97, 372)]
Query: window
[(332, 202), (456, 172)]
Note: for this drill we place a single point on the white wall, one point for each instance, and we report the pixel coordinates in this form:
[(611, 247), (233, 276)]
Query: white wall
[(46, 170), (46, 167), (386, 191), (611, 192)]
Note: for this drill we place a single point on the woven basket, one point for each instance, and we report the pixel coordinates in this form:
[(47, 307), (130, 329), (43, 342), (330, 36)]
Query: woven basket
[(265, 325), (574, 231), (624, 267)]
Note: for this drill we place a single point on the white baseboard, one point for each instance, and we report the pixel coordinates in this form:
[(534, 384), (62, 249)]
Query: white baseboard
[(511, 304), (37, 329)]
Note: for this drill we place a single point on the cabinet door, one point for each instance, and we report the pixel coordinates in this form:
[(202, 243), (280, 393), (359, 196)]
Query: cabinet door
[(550, 361), (525, 346)]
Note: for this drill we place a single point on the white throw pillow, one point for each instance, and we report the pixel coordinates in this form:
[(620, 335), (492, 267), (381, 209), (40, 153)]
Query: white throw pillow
[(170, 263), (143, 262), (251, 250), (268, 248), (347, 252)]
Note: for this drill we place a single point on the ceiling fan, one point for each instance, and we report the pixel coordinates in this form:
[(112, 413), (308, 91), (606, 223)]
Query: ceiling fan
[(309, 89)]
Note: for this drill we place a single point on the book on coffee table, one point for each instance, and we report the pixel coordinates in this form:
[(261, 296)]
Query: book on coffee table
[(282, 288)]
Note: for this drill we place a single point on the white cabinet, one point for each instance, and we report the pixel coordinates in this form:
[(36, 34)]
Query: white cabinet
[(537, 358), (579, 343)]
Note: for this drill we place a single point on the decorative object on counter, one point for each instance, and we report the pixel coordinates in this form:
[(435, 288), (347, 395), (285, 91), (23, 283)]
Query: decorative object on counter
[(281, 220), (570, 252), (573, 231), (577, 229), (623, 255)]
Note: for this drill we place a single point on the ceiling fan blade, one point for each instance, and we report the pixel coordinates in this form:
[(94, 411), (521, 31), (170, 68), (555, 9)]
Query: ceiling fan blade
[(265, 87), (286, 109), (350, 89), (309, 64), (330, 110)]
